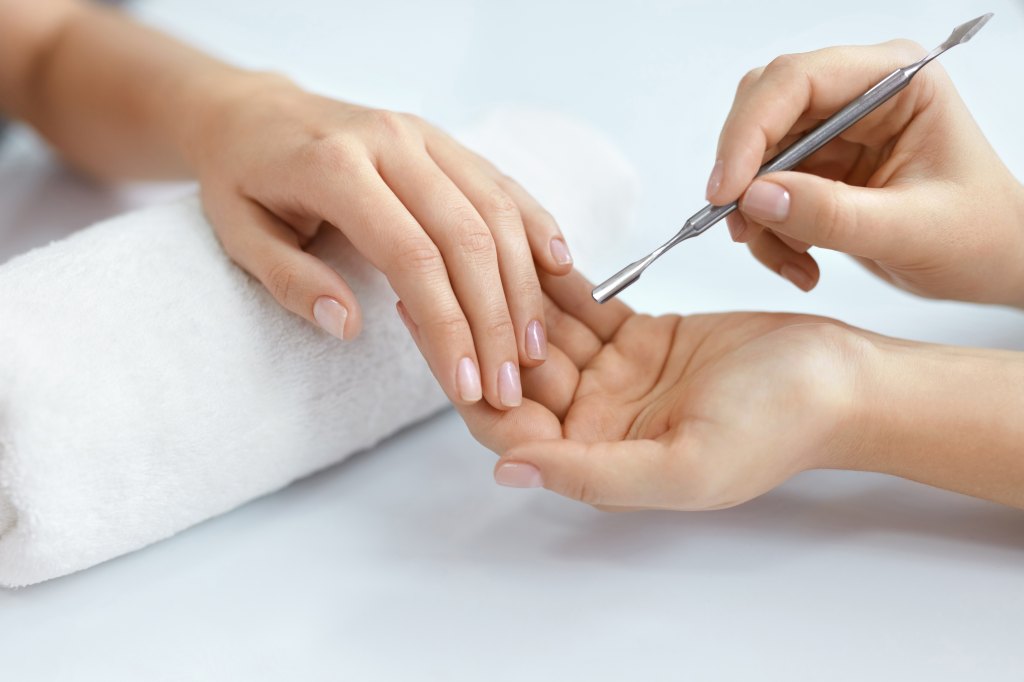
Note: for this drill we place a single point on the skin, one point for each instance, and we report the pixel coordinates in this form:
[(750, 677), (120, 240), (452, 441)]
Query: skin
[(708, 411), (913, 191), (459, 241), (628, 411)]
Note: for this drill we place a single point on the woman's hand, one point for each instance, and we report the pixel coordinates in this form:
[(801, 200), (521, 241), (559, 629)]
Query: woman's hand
[(673, 412), (708, 411), (913, 191), (457, 240)]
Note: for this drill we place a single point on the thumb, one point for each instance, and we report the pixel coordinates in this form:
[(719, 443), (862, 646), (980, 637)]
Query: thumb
[(269, 250), (861, 221), (629, 473)]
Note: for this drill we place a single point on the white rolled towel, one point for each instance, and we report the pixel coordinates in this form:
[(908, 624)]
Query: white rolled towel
[(148, 384)]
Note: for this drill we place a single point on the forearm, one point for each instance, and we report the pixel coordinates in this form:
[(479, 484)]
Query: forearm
[(945, 416), (115, 98)]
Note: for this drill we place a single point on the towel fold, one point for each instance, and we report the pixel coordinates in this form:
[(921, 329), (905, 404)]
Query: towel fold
[(148, 384)]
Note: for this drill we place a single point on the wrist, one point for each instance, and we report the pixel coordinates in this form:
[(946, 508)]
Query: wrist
[(941, 415), (208, 102)]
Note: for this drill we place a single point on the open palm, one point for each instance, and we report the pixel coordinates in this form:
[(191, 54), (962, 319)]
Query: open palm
[(673, 412)]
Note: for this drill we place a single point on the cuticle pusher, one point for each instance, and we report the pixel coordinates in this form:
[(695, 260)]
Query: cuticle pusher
[(794, 154)]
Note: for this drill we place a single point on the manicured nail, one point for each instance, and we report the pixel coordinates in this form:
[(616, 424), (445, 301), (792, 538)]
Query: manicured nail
[(467, 380), (510, 391), (797, 276), (536, 341), (330, 315), (715, 180), (518, 475), (766, 201), (560, 252)]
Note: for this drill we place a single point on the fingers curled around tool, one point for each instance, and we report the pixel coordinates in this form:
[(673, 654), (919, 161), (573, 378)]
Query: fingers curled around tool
[(795, 89), (799, 268)]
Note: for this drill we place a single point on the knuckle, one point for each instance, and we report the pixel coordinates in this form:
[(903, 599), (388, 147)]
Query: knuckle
[(749, 78), (501, 206), (474, 240), (419, 256), (389, 123), (784, 62), (280, 279), (500, 326), (908, 50), (450, 326), (581, 490), (331, 153), (836, 216)]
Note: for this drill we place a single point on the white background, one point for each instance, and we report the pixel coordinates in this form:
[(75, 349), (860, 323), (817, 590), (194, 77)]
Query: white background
[(407, 563)]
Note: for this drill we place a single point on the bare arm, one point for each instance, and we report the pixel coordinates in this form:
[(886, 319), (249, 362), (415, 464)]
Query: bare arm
[(114, 97)]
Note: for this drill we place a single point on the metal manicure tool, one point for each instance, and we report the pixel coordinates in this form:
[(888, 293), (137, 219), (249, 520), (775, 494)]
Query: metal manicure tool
[(793, 155)]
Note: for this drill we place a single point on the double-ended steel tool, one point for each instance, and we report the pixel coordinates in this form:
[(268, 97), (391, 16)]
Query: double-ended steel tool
[(793, 155)]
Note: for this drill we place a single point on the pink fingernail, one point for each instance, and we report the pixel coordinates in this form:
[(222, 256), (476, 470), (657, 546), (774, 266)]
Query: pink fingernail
[(560, 252), (467, 380), (536, 341), (715, 180), (330, 315), (518, 475), (766, 201), (510, 391)]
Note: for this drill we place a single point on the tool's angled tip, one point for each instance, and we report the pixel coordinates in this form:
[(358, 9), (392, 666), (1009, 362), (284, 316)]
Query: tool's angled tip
[(613, 286), (964, 32)]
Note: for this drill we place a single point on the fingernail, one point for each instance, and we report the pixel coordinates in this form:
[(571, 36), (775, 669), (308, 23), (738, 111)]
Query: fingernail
[(330, 315), (797, 276), (560, 252), (715, 180), (766, 201), (536, 341), (518, 475), (467, 380), (510, 391)]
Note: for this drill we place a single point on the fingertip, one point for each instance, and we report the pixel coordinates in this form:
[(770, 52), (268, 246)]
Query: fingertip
[(517, 475), (561, 259)]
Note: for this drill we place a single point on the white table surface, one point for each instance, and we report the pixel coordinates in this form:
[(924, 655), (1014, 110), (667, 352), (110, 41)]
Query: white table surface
[(407, 562)]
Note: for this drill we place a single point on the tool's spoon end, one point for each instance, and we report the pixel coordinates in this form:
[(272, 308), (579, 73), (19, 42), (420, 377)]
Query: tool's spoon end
[(614, 285)]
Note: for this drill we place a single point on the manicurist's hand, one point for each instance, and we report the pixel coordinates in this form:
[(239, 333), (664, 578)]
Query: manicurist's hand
[(458, 241), (708, 411), (913, 191)]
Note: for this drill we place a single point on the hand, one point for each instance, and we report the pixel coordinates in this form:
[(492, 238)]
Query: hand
[(913, 191), (457, 240), (674, 412)]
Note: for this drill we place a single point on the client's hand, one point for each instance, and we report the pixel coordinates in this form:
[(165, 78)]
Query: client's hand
[(459, 241), (673, 412)]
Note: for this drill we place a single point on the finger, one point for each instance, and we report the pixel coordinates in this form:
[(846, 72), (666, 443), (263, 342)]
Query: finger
[(499, 430), (573, 338), (552, 384), (474, 266), (572, 294), (504, 218), (799, 268), (814, 84), (630, 473), (383, 231), (469, 170), (269, 250), (862, 221), (546, 239)]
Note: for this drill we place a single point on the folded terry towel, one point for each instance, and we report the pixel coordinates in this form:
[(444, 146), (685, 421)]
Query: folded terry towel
[(147, 384)]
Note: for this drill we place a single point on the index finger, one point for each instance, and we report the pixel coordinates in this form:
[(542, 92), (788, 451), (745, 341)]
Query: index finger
[(814, 85)]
